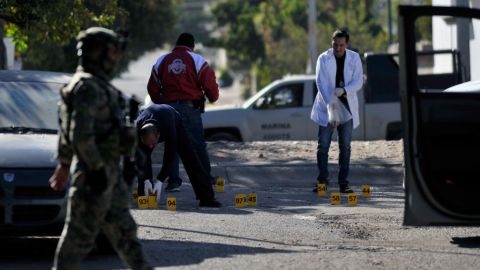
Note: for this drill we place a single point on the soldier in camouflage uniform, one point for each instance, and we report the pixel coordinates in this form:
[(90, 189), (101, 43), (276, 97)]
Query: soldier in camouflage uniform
[(94, 135)]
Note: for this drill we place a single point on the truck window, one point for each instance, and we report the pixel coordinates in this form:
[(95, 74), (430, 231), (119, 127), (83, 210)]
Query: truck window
[(382, 79), (285, 96), (438, 71)]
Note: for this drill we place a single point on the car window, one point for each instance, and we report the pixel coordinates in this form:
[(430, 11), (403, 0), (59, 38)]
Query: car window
[(285, 96), (382, 79), (29, 104)]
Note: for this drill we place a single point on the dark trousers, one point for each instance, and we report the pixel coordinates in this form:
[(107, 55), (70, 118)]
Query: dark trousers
[(192, 121), (199, 178), (344, 144)]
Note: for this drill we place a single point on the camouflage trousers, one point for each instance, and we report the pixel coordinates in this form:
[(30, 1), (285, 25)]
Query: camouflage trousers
[(88, 213)]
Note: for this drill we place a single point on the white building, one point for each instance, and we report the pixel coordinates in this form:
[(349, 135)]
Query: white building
[(448, 31)]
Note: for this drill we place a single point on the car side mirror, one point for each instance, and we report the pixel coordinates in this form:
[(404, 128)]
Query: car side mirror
[(261, 103)]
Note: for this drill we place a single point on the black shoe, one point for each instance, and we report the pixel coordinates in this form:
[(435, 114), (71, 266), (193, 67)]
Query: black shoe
[(315, 189), (346, 189), (172, 187), (210, 203)]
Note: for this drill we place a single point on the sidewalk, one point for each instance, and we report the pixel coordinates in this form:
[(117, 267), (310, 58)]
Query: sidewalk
[(255, 174)]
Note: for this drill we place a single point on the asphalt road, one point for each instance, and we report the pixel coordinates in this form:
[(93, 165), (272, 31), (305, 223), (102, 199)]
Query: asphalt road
[(290, 228)]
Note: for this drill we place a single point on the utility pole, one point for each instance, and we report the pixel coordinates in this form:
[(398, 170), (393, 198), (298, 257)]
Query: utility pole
[(312, 34), (463, 38), (3, 48), (390, 34)]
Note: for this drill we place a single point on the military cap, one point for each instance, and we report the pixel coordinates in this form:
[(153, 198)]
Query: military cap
[(95, 37)]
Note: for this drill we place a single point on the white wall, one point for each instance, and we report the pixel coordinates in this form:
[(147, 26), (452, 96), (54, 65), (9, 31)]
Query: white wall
[(444, 37), (475, 45), (10, 48)]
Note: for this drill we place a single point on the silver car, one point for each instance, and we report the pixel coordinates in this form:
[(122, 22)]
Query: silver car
[(28, 141)]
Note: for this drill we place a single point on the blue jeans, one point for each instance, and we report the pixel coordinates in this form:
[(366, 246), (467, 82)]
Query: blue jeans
[(324, 139), (192, 121)]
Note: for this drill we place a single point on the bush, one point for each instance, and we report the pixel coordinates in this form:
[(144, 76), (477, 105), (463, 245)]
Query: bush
[(225, 79)]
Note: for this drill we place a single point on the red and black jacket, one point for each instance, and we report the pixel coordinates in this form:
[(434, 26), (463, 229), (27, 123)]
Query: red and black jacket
[(182, 75)]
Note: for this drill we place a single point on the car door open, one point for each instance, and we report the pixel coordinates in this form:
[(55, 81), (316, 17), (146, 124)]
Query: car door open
[(441, 128)]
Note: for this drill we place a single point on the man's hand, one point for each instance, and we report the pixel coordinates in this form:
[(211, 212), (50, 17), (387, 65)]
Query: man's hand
[(339, 91), (59, 179)]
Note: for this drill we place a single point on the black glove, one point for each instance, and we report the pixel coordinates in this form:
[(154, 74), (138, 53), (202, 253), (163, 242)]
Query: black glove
[(96, 180)]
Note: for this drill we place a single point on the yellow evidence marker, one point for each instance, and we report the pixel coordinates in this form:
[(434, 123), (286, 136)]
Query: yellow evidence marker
[(335, 198), (252, 199), (322, 190), (152, 201), (143, 202), (352, 199), (172, 203), (366, 191), (220, 185), (240, 200)]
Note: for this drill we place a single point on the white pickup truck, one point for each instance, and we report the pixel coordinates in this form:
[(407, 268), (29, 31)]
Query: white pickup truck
[(281, 110)]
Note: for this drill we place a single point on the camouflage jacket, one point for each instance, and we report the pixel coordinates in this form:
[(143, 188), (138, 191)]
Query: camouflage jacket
[(92, 122)]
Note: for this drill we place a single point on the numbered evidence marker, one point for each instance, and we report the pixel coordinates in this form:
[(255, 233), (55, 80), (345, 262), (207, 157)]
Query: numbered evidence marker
[(252, 199), (335, 198), (142, 202), (220, 185), (240, 200), (172, 203), (352, 199), (365, 191), (322, 190), (152, 201)]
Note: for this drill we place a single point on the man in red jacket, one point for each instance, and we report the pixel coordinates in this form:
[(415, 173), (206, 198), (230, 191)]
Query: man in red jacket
[(182, 79)]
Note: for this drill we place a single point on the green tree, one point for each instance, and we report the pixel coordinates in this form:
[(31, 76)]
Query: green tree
[(272, 36), (243, 40), (44, 31), (149, 24), (358, 17), (285, 40)]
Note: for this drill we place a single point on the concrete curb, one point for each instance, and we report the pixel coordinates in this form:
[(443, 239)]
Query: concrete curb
[(381, 163), (256, 174), (304, 163)]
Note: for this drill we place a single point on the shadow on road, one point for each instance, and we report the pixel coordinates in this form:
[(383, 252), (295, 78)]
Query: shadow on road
[(165, 253), (214, 234), (466, 242), (21, 249), (39, 253)]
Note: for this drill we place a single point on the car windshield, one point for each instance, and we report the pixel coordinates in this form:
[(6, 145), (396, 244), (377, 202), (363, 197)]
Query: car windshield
[(29, 106)]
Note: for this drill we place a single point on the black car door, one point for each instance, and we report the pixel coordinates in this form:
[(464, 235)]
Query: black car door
[(441, 128)]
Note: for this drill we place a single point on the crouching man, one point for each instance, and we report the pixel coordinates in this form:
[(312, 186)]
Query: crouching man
[(162, 123)]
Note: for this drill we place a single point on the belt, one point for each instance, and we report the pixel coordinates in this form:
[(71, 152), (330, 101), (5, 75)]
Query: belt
[(183, 102)]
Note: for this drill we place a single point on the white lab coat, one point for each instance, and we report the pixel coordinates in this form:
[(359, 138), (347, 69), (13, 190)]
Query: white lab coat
[(325, 73)]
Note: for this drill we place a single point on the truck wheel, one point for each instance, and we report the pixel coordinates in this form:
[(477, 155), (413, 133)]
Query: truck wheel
[(223, 136), (394, 131)]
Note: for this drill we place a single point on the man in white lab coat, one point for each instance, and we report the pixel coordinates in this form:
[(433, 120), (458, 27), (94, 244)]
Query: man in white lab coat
[(339, 76)]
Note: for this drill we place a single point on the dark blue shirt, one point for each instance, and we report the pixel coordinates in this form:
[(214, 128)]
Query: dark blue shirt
[(167, 120)]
